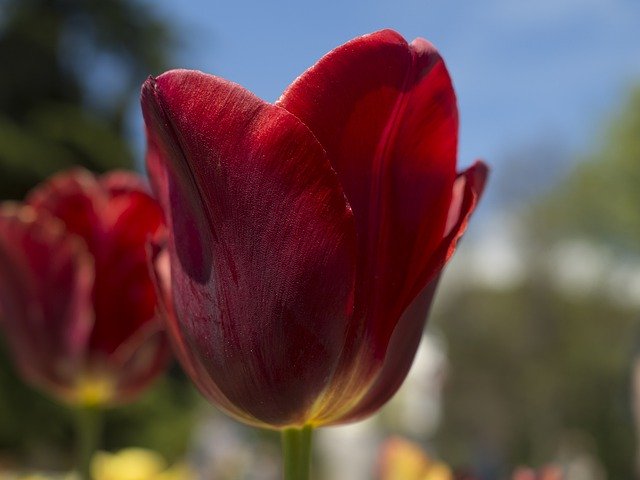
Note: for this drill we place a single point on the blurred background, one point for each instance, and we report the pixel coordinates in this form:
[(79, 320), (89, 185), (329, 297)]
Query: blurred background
[(532, 353)]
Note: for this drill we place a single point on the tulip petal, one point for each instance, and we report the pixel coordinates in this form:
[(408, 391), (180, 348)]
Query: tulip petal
[(466, 193), (115, 216), (406, 336), (262, 242), (46, 277), (71, 197), (385, 112), (132, 219), (192, 365)]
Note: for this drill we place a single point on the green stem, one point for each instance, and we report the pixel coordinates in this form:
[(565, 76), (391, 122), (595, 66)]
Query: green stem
[(296, 451), (88, 434)]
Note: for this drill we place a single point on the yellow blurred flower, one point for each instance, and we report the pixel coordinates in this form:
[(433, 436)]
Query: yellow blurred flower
[(136, 464), (404, 460)]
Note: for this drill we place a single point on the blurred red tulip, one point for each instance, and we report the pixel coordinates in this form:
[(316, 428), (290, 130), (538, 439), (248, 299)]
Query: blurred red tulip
[(307, 236), (77, 304)]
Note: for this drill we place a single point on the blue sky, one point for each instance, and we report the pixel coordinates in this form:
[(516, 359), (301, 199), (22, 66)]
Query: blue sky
[(524, 71)]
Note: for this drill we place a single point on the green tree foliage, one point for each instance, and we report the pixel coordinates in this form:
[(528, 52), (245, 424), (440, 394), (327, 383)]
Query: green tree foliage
[(532, 371)]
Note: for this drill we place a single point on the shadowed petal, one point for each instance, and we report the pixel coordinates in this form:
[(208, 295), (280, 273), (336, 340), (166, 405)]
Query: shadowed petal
[(161, 274), (406, 336), (46, 277), (261, 244)]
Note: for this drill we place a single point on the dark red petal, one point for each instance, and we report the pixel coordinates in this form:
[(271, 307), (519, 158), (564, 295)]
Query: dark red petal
[(362, 383), (192, 365), (76, 198), (406, 336), (466, 193), (385, 112), (401, 351), (124, 296), (46, 277), (262, 242), (116, 217)]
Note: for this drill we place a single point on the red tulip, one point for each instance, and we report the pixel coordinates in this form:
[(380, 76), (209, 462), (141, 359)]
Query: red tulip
[(307, 236), (77, 303)]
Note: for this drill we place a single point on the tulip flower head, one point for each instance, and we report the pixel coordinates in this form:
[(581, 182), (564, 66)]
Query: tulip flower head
[(77, 304), (306, 237)]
